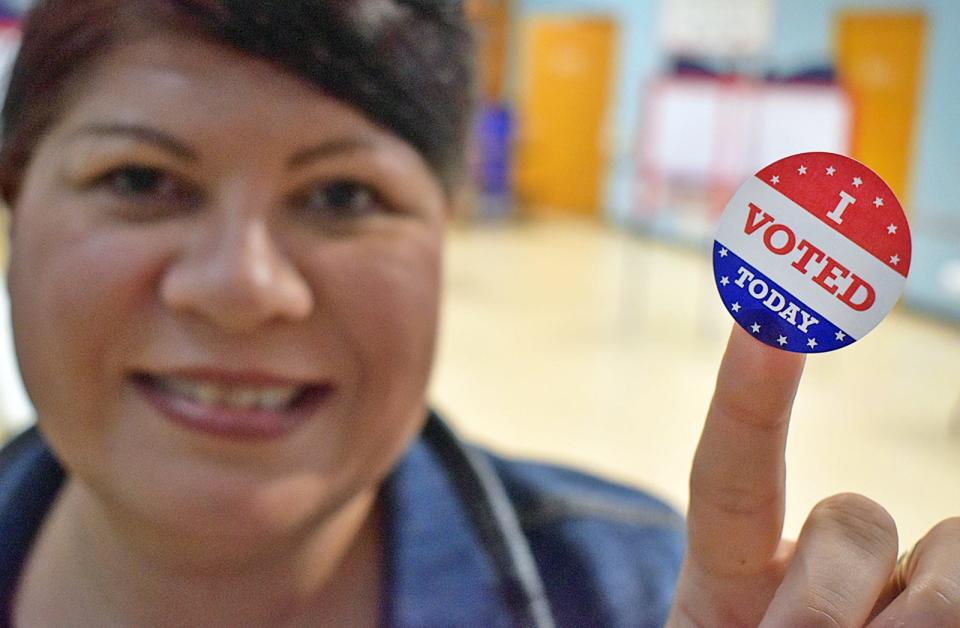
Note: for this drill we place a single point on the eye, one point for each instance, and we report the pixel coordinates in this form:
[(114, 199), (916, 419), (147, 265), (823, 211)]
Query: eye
[(137, 181), (339, 199), (146, 185)]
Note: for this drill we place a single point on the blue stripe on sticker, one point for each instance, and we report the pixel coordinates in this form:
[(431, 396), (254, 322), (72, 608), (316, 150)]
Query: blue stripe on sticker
[(768, 311)]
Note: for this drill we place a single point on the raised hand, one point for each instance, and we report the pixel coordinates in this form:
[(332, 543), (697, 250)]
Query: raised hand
[(841, 572)]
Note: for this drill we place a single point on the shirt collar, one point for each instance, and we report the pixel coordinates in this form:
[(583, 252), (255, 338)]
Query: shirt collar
[(31, 478), (438, 572)]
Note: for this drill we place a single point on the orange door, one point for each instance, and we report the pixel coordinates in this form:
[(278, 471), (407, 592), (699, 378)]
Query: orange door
[(880, 60), (564, 102), (491, 19)]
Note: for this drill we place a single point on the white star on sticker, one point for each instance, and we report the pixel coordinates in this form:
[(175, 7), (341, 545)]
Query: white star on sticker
[(857, 182), (775, 179), (895, 260), (756, 328), (723, 252), (892, 229), (831, 171), (782, 340), (878, 202), (802, 170), (812, 343), (735, 307), (724, 281), (841, 336)]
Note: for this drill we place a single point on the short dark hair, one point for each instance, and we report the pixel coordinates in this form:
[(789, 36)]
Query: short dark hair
[(406, 64)]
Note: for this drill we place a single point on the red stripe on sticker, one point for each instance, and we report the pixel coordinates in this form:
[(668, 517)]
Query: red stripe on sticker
[(850, 198)]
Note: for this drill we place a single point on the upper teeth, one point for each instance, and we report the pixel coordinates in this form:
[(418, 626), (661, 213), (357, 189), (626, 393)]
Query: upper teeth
[(241, 397)]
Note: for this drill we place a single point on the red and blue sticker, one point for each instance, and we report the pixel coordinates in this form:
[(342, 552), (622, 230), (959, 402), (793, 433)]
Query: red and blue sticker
[(812, 253)]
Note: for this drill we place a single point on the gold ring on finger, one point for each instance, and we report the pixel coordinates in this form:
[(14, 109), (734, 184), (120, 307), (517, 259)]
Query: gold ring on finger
[(902, 570)]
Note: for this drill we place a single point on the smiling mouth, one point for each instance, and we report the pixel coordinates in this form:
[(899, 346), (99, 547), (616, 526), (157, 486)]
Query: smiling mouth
[(239, 411)]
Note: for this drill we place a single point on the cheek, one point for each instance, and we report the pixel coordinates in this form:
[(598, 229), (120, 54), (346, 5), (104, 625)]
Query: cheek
[(384, 296), (76, 297)]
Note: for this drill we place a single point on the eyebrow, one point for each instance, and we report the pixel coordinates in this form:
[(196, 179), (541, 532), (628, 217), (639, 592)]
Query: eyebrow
[(176, 147), (145, 134), (333, 147)]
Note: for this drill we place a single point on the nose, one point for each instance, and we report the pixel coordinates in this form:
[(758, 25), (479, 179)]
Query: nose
[(237, 278)]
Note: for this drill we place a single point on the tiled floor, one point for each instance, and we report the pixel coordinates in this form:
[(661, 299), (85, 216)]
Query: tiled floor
[(580, 344)]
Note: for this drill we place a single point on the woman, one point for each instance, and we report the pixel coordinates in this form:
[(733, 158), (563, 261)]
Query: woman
[(227, 230)]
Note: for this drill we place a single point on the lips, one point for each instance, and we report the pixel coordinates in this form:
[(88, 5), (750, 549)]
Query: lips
[(233, 406)]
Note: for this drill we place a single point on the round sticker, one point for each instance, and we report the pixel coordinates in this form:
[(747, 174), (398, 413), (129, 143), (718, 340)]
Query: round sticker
[(812, 253)]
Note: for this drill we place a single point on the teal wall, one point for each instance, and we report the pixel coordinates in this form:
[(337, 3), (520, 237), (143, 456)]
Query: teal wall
[(803, 34)]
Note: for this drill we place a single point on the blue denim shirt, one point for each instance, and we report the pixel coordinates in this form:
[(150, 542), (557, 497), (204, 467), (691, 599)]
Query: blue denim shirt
[(606, 555)]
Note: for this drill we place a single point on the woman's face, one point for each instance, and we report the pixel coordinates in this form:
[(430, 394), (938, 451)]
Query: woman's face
[(224, 290)]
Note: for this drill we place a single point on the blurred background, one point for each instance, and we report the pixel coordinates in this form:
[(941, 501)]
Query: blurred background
[(582, 324)]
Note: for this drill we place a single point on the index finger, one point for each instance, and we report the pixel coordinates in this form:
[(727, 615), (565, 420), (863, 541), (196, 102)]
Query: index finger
[(735, 516)]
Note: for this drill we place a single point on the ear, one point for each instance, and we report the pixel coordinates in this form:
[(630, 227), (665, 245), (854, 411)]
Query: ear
[(461, 200), (8, 194), (8, 220)]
